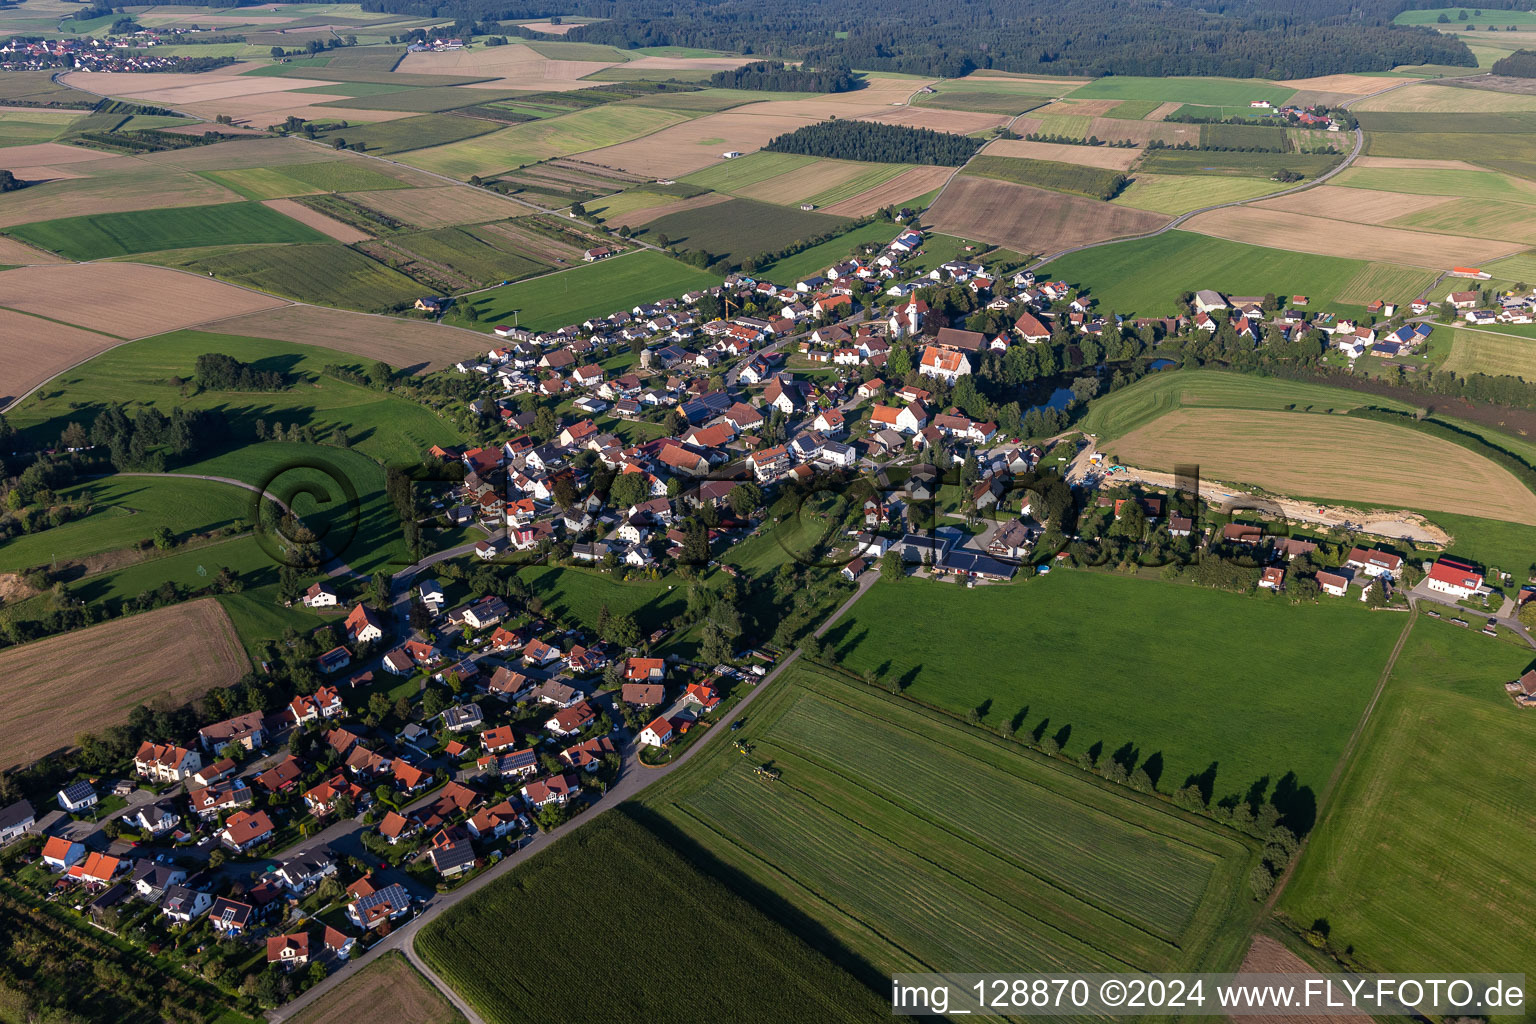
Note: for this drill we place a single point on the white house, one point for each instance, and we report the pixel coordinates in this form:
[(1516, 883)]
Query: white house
[(657, 734), (77, 797), (1454, 577)]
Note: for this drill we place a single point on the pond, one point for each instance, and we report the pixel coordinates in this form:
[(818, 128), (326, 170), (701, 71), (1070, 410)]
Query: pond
[(1161, 364)]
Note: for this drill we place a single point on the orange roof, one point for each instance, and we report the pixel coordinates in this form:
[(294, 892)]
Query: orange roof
[(56, 848)]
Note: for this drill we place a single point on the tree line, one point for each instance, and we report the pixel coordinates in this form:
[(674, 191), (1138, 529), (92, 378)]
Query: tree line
[(215, 371), (1520, 64), (877, 143), (775, 76)]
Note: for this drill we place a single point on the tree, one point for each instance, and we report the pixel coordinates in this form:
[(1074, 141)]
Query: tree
[(891, 567), (433, 702), (277, 53), (745, 498)]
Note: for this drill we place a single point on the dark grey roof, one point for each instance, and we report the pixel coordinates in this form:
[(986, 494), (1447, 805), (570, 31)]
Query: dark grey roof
[(15, 814)]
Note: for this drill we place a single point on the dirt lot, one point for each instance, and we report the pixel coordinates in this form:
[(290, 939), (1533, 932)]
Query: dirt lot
[(1281, 230), (1359, 205), (438, 207), (388, 989), (344, 233), (1088, 156), (1031, 220), (125, 299), (34, 350), (49, 695), (961, 122), (1315, 456), (906, 185), (416, 344), (693, 145)]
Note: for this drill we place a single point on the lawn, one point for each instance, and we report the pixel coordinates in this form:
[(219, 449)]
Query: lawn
[(921, 845), (579, 595), (327, 274), (1245, 697), (1426, 829), (1180, 193), (534, 141), (741, 228), (104, 235), (1211, 92), (759, 970), (596, 289), (1146, 276), (820, 257)]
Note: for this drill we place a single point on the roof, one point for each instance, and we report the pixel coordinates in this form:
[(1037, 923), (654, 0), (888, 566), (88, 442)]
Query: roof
[(297, 943), (1456, 573)]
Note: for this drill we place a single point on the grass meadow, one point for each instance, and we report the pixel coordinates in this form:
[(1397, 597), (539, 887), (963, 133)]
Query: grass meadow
[(596, 289), (740, 228), (409, 133), (580, 595), (1249, 165), (302, 179), (819, 257), (104, 235), (534, 141), (1417, 862), (1207, 92), (1009, 857), (1185, 681), (1440, 181), (1180, 193), (1093, 182)]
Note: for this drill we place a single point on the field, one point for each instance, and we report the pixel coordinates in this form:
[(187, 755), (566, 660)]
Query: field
[(36, 349), (1426, 829), (693, 145), (734, 175), (1031, 220), (337, 230), (1482, 352), (1324, 236), (960, 122), (24, 127), (1090, 182), (1091, 156), (992, 95), (579, 595), (1025, 862), (409, 133), (593, 290), (388, 987), (122, 234), (540, 140), (1253, 165), (1515, 153), (302, 179), (1493, 123), (739, 228), (1209, 92), (1317, 457), (820, 257), (759, 970), (1386, 281), (1439, 180), (638, 216), (412, 344), (1180, 193), (173, 654), (1363, 206), (1432, 97), (127, 300), (330, 274), (1430, 16), (906, 187), (439, 207)]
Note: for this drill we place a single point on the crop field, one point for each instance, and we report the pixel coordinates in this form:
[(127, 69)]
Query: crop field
[(1318, 457), (693, 145), (959, 122), (615, 207), (1240, 136), (121, 234), (438, 207), (1515, 268), (25, 127), (1425, 827), (389, 988), (106, 184), (1211, 92), (1324, 236), (1089, 156), (989, 96), (754, 960), (1513, 222), (1072, 126), (302, 179), (1387, 281), (452, 259), (821, 182), (741, 227), (866, 810), (1091, 182), (710, 101), (1255, 165), (595, 289), (15, 254), (1481, 352), (409, 133), (1031, 220), (50, 696), (1432, 97), (1146, 276), (1514, 154), (1363, 206), (908, 186), (1453, 180), (327, 274), (331, 227), (733, 175), (635, 218), (414, 344), (124, 299), (35, 349), (1180, 712), (534, 141), (1180, 193), (1493, 123)]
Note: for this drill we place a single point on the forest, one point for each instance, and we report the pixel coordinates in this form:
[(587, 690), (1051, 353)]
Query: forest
[(1237, 38), (1520, 64), (774, 76), (877, 143)]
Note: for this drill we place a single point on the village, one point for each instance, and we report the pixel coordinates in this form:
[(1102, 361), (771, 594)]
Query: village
[(118, 53)]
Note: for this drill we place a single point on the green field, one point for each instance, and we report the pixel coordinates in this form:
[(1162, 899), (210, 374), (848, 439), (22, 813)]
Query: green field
[(1520, 267), (469, 255), (142, 373), (820, 257), (1072, 126), (741, 228), (1514, 153), (1134, 110), (534, 141), (580, 594), (1243, 696), (626, 202), (1146, 276), (415, 101), (759, 970), (922, 845), (709, 101), (102, 236), (126, 511), (302, 179), (1431, 15), (597, 289), (1180, 193), (1244, 136), (409, 133), (1437, 181), (990, 95), (1490, 122), (1480, 218), (1092, 182), (578, 51), (330, 274), (1387, 281), (1426, 829), (730, 175), (25, 127), (1120, 413), (1211, 92), (1482, 352), (1253, 165)]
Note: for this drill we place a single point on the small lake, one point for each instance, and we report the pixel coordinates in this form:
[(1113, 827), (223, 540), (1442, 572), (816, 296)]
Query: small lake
[(1161, 364)]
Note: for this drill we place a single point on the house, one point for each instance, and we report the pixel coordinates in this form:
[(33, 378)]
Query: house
[(1272, 579), (656, 734), (321, 595), (248, 731), (1293, 547), (1011, 540), (183, 904), (219, 797), (491, 823), (1373, 562), (452, 857), (521, 763), (165, 762), (339, 943), (702, 695), (462, 717), (910, 419), (323, 703), (1454, 577), (289, 951), (282, 775), (571, 720), (395, 826), (770, 463), (589, 754), (77, 797), (1333, 584), (1462, 300), (944, 363), (1242, 533), (854, 569), (486, 612), (323, 798), (155, 819), (373, 906), (60, 854), (230, 917), (1207, 301), (151, 878), (540, 653), (642, 695), (363, 626), (16, 820), (245, 829), (98, 869), (557, 790), (561, 695)]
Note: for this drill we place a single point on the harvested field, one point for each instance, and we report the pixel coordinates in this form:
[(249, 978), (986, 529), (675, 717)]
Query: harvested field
[(1353, 85), (823, 176), (35, 350), (536, 141), (387, 989), (879, 95), (1142, 132), (643, 216), (1088, 156), (693, 145), (1031, 220), (247, 154), (168, 656), (1268, 956), (711, 64), (961, 122), (422, 346), (1162, 110), (1325, 236), (526, 240), (1358, 205), (55, 154), (906, 185), (1434, 98), (136, 186), (438, 207), (515, 66), (345, 233), (1388, 281), (127, 299), (1317, 456), (1076, 108), (19, 254)]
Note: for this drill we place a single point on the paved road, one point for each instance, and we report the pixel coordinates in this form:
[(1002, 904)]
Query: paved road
[(1421, 594)]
